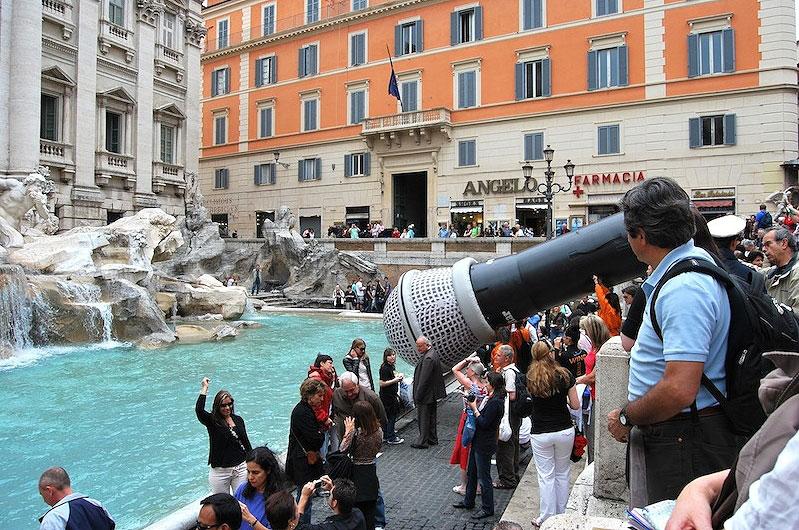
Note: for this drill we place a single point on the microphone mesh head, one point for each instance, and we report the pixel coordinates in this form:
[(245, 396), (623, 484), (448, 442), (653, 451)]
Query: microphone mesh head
[(425, 303)]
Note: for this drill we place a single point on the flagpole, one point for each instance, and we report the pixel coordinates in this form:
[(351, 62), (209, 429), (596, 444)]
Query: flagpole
[(394, 78)]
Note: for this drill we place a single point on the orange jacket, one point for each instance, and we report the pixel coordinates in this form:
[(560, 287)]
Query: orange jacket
[(608, 315)]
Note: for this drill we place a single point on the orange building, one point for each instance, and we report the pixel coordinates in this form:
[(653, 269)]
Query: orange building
[(296, 108)]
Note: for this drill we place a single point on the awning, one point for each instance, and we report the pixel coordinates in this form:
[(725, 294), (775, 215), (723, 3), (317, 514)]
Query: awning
[(531, 206), (466, 209), (717, 203)]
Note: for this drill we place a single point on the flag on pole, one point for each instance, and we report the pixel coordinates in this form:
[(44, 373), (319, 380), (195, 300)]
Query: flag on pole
[(393, 88)]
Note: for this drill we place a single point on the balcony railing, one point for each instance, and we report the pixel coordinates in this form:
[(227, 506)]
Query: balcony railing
[(406, 120), (113, 164), (169, 54), (113, 35), (168, 174), (56, 153), (60, 13)]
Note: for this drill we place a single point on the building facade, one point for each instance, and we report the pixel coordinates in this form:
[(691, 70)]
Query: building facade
[(296, 109), (105, 93)]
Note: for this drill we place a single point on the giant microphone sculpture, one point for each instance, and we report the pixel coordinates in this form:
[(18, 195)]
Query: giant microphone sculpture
[(459, 307)]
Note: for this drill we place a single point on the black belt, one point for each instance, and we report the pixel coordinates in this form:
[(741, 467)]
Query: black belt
[(707, 411)]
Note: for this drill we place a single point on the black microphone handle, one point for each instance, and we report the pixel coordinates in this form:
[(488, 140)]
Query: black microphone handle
[(514, 287)]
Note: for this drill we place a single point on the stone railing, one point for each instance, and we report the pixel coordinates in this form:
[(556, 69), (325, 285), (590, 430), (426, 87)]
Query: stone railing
[(168, 174), (60, 13), (113, 35), (51, 150), (169, 53), (407, 120), (107, 165)]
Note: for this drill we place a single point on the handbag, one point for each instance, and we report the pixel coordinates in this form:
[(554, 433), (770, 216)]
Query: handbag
[(340, 464), (312, 457), (505, 431), (469, 426), (578, 447)]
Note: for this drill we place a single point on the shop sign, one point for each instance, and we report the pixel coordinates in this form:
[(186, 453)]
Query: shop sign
[(596, 179), (532, 200), (467, 204), (499, 186), (713, 193)]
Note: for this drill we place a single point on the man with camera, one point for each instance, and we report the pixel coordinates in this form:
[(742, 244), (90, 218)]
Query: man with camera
[(341, 500)]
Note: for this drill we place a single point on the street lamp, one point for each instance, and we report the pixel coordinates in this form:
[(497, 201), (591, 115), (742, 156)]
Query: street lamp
[(548, 188)]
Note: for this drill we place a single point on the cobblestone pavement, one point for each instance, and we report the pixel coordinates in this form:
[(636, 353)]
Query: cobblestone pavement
[(417, 483)]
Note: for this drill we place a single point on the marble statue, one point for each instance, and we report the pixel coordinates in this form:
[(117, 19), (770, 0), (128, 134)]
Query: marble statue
[(21, 200)]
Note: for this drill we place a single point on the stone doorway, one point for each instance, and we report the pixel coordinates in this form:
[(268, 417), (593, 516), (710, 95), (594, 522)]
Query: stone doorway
[(410, 201)]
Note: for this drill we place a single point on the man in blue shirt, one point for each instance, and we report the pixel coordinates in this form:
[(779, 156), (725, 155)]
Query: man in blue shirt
[(676, 429), (69, 510)]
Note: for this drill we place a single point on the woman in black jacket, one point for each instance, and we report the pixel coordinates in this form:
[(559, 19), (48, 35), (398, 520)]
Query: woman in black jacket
[(303, 460), (227, 438), (484, 444)]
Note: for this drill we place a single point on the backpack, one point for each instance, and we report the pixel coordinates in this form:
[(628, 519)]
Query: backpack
[(522, 406), (766, 221), (757, 324), (524, 357)]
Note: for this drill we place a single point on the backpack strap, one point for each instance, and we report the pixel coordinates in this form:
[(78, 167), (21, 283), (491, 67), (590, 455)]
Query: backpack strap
[(703, 267)]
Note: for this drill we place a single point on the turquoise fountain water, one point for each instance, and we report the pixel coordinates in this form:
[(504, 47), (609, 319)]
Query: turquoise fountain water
[(121, 421)]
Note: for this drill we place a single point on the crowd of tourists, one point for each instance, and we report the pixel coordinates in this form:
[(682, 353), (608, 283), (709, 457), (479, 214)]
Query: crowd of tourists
[(367, 298)]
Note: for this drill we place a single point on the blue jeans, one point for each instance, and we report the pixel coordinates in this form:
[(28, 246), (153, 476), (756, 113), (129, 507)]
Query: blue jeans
[(391, 421), (479, 469), (380, 510), (306, 515)]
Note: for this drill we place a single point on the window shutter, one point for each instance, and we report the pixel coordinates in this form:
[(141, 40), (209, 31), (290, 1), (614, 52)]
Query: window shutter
[(347, 165), (519, 81), (528, 147), (225, 177), (592, 81), (397, 41), (603, 141), (471, 149), (354, 50), (546, 77), (693, 55), (273, 70), (614, 139), (256, 174), (419, 36), (461, 153), (313, 68), (728, 44), (318, 169), (227, 80), (601, 9), (471, 89), (527, 14), (454, 28), (259, 72), (694, 133), (478, 23), (367, 169), (301, 170), (538, 146), (462, 90), (301, 63), (214, 85), (538, 14), (623, 81), (729, 129)]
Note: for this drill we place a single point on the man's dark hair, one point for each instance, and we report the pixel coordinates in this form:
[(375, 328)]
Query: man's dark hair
[(762, 206), (321, 358), (226, 509), (344, 493), (632, 290), (573, 332), (280, 509), (662, 210), (783, 233)]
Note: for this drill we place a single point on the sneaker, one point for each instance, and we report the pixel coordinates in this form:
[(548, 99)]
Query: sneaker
[(460, 490), (395, 441)]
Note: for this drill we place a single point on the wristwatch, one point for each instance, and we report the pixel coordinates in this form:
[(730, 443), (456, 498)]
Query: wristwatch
[(623, 419)]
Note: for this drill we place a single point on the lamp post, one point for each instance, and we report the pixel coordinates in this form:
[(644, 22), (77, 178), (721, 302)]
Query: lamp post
[(548, 188)]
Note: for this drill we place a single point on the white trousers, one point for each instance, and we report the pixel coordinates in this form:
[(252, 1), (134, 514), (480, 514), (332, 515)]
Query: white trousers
[(552, 452), (225, 479)]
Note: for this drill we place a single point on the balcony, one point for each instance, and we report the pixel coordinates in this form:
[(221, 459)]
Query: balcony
[(57, 154), (109, 165), (417, 126), (59, 12), (112, 35), (167, 58), (168, 175)]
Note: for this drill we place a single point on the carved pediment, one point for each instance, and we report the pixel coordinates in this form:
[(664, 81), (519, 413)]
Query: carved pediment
[(119, 94), (55, 73), (169, 110)]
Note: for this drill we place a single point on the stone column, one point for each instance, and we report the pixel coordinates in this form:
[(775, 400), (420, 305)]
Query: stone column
[(24, 85), (612, 374), (146, 34), (194, 34)]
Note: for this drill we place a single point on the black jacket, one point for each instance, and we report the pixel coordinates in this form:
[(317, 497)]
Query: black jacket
[(224, 449), (486, 430), (732, 265), (304, 435), (353, 521), (428, 381), (352, 365)]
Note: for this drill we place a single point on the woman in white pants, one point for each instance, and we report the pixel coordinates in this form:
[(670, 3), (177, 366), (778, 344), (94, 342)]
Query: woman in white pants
[(552, 432)]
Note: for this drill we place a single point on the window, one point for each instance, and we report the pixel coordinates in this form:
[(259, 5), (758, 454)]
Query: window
[(266, 71), (408, 38), (168, 29), (467, 153), (534, 146), (310, 169), (221, 179), (269, 19), (533, 79), (116, 12), (357, 49), (167, 144), (608, 139), (220, 129), (311, 11), (48, 129), (466, 25), (712, 130), (409, 90), (357, 106), (607, 68), (467, 89), (606, 7), (359, 4), (113, 132), (265, 125), (264, 174), (222, 34), (309, 114), (220, 81), (711, 53), (356, 165), (222, 220), (307, 60), (532, 14)]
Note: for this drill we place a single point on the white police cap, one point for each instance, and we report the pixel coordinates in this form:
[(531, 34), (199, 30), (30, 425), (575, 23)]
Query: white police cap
[(727, 226)]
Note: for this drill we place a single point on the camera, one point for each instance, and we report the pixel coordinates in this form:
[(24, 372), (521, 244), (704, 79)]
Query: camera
[(471, 397), (317, 484)]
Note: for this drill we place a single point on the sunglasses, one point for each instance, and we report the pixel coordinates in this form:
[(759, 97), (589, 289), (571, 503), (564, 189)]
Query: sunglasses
[(223, 405), (200, 526)]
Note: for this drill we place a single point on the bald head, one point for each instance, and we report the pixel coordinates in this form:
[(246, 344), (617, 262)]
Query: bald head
[(54, 485)]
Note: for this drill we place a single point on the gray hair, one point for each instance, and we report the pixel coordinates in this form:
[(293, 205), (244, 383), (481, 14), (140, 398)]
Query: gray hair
[(426, 340), (56, 477), (348, 376), (506, 350), (783, 234)]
